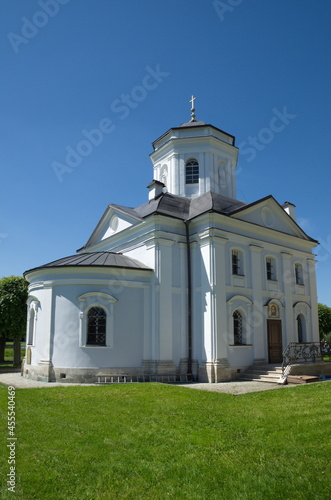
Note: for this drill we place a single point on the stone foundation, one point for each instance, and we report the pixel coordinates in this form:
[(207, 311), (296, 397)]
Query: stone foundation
[(322, 368), (219, 371), (45, 372)]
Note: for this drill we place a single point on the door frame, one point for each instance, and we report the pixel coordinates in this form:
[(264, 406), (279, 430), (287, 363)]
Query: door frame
[(277, 322)]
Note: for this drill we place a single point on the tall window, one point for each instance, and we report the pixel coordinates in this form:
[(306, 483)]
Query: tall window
[(237, 264), (271, 268), (298, 274), (237, 328), (192, 172), (301, 326), (96, 326)]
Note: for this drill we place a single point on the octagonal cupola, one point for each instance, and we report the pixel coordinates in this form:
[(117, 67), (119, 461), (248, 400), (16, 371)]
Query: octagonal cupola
[(195, 158)]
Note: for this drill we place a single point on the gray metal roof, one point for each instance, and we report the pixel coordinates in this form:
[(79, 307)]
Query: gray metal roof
[(195, 124), (166, 204), (186, 208), (95, 259)]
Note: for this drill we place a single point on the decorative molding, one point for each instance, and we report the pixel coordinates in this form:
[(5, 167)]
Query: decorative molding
[(239, 297), (103, 295)]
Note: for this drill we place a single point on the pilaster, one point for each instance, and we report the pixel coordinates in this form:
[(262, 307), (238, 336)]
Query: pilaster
[(313, 298), (288, 332), (258, 319)]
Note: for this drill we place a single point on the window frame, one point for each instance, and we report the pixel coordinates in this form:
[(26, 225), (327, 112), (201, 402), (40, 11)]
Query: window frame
[(32, 317), (301, 328), (105, 301), (192, 171), (271, 269), (298, 273), (96, 326), (238, 327), (237, 267)]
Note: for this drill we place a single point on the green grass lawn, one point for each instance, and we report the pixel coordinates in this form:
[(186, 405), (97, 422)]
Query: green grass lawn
[(155, 441)]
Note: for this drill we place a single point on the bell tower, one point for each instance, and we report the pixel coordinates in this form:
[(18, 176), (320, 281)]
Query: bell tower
[(195, 158)]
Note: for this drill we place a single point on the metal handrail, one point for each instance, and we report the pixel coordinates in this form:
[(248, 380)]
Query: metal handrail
[(301, 352)]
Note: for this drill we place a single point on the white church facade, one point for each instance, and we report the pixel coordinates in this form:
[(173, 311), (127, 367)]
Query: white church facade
[(194, 281)]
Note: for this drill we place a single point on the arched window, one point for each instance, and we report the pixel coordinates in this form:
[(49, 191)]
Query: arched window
[(31, 325), (271, 268), (298, 274), (192, 172), (301, 328), (96, 326), (237, 328)]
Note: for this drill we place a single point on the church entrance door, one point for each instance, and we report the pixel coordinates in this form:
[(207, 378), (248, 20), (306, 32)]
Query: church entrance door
[(275, 349)]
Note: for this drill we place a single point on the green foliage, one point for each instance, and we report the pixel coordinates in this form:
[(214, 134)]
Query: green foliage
[(153, 441), (327, 338), (324, 320), (13, 309)]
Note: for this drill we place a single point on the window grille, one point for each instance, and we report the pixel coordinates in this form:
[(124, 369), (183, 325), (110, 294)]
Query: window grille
[(96, 326), (235, 262), (237, 328), (192, 172), (271, 268)]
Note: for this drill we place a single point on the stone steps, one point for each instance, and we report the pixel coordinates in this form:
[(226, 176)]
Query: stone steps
[(263, 373), (302, 379)]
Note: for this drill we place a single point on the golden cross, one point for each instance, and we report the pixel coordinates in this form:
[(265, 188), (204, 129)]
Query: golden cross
[(192, 101)]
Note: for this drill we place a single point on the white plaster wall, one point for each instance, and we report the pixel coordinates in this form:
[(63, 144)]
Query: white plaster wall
[(61, 343), (253, 286)]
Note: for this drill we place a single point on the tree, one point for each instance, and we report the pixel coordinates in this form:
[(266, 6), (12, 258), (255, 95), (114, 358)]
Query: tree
[(324, 320), (13, 311)]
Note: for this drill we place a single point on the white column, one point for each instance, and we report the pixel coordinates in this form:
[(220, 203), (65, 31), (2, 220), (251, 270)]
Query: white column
[(287, 282), (181, 175), (207, 297), (314, 334), (183, 301), (257, 319), (219, 285)]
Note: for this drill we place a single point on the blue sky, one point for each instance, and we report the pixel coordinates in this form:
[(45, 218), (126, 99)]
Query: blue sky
[(70, 66)]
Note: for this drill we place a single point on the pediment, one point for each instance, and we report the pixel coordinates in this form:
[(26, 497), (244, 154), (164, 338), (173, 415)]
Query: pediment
[(268, 213), (114, 220)]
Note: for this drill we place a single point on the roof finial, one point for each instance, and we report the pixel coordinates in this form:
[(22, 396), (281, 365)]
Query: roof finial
[(192, 109)]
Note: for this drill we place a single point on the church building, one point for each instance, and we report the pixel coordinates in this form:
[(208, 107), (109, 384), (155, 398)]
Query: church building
[(194, 282)]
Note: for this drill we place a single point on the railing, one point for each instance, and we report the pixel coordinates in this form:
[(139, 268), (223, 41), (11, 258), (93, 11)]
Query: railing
[(303, 352)]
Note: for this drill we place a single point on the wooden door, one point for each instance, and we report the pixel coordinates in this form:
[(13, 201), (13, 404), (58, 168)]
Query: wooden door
[(275, 341)]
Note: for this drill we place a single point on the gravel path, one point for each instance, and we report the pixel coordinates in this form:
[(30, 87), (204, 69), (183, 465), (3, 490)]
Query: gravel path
[(16, 380), (238, 387)]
